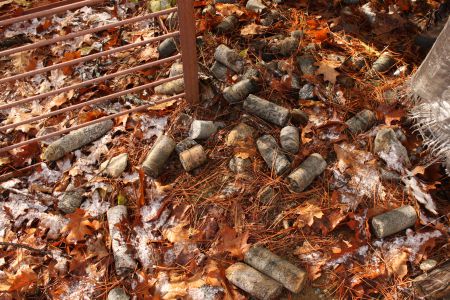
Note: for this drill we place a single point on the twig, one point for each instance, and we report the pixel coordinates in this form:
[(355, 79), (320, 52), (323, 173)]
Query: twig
[(17, 245)]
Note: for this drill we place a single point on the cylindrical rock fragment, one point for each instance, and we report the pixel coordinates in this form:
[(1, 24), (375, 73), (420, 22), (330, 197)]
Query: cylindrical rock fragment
[(167, 48), (158, 155), (115, 166), (123, 260), (383, 63), (266, 110), (193, 158), (71, 200), (176, 69), (221, 72), (361, 122), (229, 58), (290, 276), (240, 165), (202, 129), (299, 117), (227, 25), (394, 221), (117, 294), (240, 91), (272, 154), (290, 139), (240, 135), (185, 144), (305, 174), (77, 139), (253, 282), (170, 88)]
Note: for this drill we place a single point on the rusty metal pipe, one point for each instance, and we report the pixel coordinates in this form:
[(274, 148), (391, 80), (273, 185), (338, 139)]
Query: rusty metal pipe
[(88, 57), (139, 108), (91, 81)]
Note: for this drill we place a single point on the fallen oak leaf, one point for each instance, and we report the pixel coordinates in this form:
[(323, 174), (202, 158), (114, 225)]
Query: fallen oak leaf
[(253, 29), (396, 264), (232, 242), (307, 212), (79, 226), (328, 71)]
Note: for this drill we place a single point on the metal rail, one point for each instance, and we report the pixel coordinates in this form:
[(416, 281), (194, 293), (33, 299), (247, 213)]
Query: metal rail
[(188, 55)]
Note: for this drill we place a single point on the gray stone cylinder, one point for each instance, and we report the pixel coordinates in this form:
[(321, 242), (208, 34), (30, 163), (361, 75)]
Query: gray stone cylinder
[(227, 25), (383, 63), (394, 221), (270, 264), (361, 122), (193, 158), (266, 110), (229, 58), (272, 154), (290, 139), (201, 130), (167, 48), (71, 200), (123, 261), (185, 144), (158, 155), (253, 282), (170, 88), (239, 91), (117, 294), (220, 71), (77, 139), (305, 174)]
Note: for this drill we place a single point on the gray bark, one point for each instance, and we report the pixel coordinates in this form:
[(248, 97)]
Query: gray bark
[(77, 139)]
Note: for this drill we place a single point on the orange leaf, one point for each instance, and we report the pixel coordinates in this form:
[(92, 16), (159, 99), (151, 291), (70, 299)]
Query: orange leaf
[(232, 242), (24, 278), (79, 226), (68, 56)]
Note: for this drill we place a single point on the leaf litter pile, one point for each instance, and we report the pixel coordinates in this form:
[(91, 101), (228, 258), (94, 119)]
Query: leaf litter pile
[(303, 178)]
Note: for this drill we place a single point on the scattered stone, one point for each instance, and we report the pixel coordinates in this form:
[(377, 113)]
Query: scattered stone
[(170, 88), (293, 80), (306, 64), (240, 91), (285, 46), (272, 154), (240, 134), (428, 265), (272, 265), (394, 221), (77, 139), (266, 110), (193, 158), (221, 72), (158, 155), (71, 200), (251, 73), (272, 17), (227, 25), (383, 63), (185, 144), (176, 69), (167, 48), (253, 282), (391, 150), (240, 165), (117, 294), (361, 122), (299, 117), (304, 175), (357, 62), (124, 262), (115, 166), (266, 194), (255, 5), (229, 58), (202, 130), (307, 92), (290, 139)]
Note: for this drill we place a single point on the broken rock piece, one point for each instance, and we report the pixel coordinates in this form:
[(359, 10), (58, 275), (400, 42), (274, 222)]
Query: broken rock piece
[(290, 139), (240, 134), (270, 264), (167, 48), (383, 63), (185, 144), (272, 154), (202, 130), (240, 91), (266, 110), (193, 158), (123, 261), (255, 5), (391, 150), (170, 88), (361, 122), (117, 294), (240, 165), (253, 282), (158, 155), (71, 200), (394, 221), (115, 166), (77, 139), (220, 71), (227, 25), (229, 58), (299, 117), (305, 174)]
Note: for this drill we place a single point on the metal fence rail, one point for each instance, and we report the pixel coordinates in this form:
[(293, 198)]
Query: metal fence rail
[(188, 55)]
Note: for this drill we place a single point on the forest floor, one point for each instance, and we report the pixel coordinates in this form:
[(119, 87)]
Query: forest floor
[(185, 228)]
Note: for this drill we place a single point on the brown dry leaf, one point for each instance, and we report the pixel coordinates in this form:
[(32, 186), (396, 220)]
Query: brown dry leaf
[(149, 53), (396, 264), (253, 29), (179, 233), (79, 225), (307, 212), (327, 70), (163, 106), (229, 9), (25, 277), (232, 242)]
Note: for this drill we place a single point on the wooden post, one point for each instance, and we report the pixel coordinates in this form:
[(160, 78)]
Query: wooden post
[(188, 49)]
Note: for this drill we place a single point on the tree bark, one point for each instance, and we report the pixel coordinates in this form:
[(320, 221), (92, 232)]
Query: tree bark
[(436, 284)]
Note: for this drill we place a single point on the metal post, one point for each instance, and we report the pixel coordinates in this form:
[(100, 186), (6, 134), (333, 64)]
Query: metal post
[(186, 19)]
